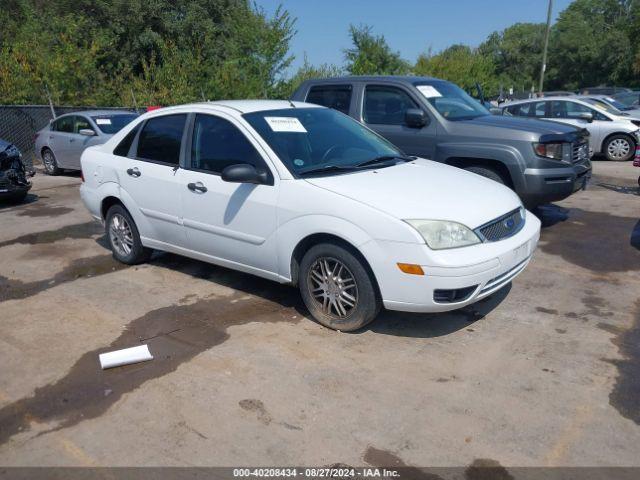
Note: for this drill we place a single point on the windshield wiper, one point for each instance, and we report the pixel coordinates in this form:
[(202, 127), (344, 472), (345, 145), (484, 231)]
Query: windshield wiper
[(383, 159), (328, 168)]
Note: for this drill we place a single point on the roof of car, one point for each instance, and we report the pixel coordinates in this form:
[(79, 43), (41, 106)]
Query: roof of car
[(98, 112), (244, 106), (374, 78), (565, 98)]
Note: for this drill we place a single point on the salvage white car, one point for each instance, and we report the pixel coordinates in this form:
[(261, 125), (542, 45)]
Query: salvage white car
[(302, 194)]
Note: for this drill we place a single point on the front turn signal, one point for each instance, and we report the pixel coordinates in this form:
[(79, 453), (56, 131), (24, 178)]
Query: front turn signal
[(411, 269)]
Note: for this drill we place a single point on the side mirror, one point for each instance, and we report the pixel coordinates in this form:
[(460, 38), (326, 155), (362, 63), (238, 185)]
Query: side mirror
[(415, 118), (244, 173), (587, 117), (87, 132)]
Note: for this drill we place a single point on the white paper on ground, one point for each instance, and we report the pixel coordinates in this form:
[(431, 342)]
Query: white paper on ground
[(285, 124), (103, 121), (428, 91), (125, 357)]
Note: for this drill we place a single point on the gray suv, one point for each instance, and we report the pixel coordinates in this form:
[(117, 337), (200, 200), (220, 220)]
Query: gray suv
[(543, 161)]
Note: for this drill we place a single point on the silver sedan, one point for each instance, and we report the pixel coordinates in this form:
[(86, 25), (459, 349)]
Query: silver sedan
[(61, 143)]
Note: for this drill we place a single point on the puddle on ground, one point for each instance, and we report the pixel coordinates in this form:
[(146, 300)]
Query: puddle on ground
[(11, 289), (579, 238), (43, 210), (625, 395), (175, 334), (78, 230)]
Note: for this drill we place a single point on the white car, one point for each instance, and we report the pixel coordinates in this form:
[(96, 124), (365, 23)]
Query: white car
[(305, 195), (614, 136)]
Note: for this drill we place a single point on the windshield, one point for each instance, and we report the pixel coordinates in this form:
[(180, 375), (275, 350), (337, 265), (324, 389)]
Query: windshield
[(451, 101), (629, 99), (603, 105), (110, 124), (616, 104), (317, 139)]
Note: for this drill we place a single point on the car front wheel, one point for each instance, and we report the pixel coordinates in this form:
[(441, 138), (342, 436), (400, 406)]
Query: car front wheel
[(619, 148), (337, 288)]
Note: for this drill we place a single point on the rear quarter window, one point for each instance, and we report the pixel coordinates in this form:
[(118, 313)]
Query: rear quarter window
[(337, 97)]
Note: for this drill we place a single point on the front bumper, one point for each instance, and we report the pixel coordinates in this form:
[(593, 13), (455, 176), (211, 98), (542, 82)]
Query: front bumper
[(480, 270), (9, 188), (554, 184)]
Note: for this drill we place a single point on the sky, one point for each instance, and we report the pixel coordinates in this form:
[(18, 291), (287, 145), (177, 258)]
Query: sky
[(409, 26)]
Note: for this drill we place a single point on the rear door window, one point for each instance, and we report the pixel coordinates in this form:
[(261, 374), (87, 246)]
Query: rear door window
[(160, 139), (64, 124), (337, 97), (386, 105)]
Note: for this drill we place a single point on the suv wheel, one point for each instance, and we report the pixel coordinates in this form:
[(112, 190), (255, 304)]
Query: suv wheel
[(50, 163), (487, 173), (124, 238), (337, 288), (619, 148)]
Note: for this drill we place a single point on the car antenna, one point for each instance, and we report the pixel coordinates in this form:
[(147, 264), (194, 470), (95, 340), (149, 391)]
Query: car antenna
[(292, 104)]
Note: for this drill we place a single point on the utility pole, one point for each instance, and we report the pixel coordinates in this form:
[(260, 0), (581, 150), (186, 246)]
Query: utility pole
[(546, 45)]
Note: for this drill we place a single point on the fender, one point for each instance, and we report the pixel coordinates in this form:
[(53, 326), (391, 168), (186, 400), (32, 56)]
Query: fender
[(292, 232), (112, 189), (507, 155)]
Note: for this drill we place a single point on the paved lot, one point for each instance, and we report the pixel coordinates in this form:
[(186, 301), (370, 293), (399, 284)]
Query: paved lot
[(547, 372)]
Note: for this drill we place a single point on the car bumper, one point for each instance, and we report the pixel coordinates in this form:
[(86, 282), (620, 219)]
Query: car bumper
[(92, 201), (554, 184), (9, 189), (478, 271)]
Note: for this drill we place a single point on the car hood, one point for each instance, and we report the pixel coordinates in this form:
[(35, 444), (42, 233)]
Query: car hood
[(533, 125), (425, 190)]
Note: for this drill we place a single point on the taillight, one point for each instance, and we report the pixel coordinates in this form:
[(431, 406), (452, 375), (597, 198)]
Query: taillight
[(636, 159), (82, 175)]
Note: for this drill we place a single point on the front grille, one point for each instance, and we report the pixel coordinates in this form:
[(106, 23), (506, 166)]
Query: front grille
[(579, 152), (502, 227)]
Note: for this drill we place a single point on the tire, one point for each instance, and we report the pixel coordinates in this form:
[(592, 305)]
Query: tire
[(123, 237), (50, 163), (355, 298), (487, 173), (619, 148)]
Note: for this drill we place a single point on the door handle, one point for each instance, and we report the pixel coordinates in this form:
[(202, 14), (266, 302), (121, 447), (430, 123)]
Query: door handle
[(72, 140), (197, 187), (133, 172)]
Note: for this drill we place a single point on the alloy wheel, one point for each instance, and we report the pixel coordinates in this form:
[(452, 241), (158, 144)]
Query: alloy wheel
[(333, 287), (49, 162), (121, 235)]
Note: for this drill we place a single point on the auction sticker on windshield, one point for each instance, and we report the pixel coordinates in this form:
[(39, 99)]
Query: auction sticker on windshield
[(103, 121), (428, 91), (285, 124)]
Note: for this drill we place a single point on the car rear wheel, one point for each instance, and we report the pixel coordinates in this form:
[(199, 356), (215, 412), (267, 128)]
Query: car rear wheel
[(123, 237), (50, 163), (619, 148), (337, 288), (487, 173)]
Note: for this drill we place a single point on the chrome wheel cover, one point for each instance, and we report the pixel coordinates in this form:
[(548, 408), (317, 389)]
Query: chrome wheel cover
[(120, 235), (332, 287), (619, 148)]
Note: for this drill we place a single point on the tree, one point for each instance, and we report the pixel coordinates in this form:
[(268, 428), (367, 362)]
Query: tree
[(371, 55), (460, 65), (516, 53), (306, 72), (590, 46)]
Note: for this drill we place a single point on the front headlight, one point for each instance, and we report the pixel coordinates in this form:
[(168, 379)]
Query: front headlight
[(548, 150), (441, 234)]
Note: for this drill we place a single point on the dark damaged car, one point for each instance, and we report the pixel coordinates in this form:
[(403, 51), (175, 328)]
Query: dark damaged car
[(14, 176)]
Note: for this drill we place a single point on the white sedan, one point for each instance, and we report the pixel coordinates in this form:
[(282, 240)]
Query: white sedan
[(305, 195)]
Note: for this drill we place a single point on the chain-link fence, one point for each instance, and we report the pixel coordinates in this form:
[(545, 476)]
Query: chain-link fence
[(19, 124)]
